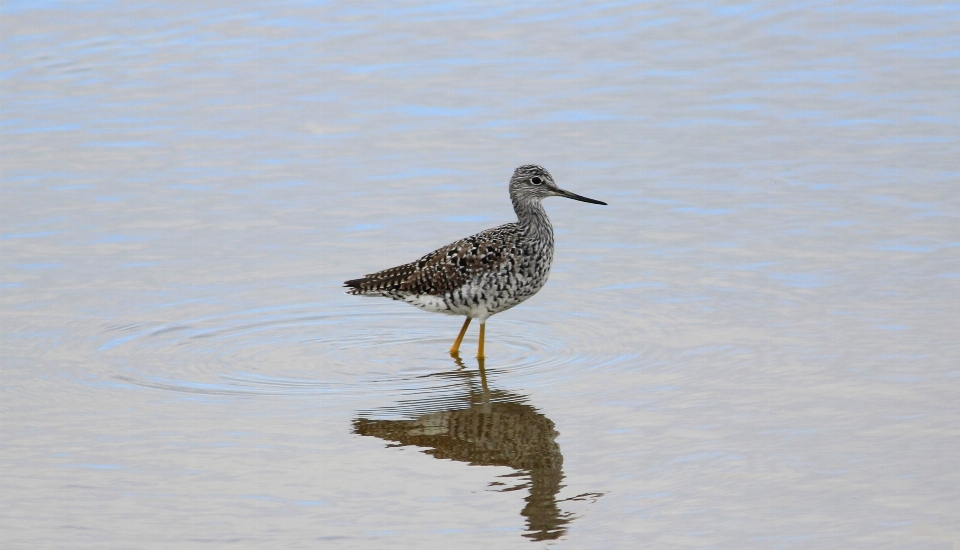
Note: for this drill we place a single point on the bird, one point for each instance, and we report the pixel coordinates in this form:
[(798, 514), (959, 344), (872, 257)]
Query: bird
[(483, 274)]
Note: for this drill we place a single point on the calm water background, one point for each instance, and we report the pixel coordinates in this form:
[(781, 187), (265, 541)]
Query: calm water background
[(754, 346)]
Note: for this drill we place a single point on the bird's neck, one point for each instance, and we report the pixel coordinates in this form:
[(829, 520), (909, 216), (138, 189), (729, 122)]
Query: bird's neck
[(533, 219)]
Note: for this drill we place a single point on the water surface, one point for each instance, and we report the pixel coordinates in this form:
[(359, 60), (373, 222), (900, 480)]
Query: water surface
[(753, 346)]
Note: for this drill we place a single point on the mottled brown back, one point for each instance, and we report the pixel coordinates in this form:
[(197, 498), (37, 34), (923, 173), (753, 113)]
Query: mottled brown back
[(446, 268)]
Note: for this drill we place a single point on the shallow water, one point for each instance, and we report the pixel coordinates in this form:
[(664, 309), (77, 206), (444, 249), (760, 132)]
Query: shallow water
[(753, 346)]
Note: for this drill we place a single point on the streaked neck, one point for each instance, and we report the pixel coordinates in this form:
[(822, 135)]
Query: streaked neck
[(533, 219)]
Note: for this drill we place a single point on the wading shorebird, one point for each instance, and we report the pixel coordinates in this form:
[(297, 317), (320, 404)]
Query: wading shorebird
[(483, 274)]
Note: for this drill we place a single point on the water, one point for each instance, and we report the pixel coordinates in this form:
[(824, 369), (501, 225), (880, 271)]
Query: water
[(753, 346)]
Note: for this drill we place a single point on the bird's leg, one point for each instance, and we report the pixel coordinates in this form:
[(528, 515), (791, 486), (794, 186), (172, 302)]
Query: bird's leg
[(455, 350), (480, 349)]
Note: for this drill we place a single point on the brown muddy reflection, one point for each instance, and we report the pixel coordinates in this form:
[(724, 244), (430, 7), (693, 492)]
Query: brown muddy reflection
[(485, 427)]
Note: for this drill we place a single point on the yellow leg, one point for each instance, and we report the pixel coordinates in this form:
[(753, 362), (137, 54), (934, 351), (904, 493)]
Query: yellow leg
[(455, 350), (480, 349)]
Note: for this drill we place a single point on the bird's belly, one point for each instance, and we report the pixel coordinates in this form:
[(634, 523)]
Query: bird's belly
[(429, 302), (492, 294), (476, 299)]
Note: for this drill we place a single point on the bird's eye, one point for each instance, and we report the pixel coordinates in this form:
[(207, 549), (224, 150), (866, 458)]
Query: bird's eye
[(536, 180)]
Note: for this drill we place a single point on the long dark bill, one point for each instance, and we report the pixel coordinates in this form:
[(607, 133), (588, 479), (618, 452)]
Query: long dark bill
[(577, 197)]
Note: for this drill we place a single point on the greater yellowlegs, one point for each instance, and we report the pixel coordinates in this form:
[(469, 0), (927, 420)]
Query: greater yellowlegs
[(482, 274)]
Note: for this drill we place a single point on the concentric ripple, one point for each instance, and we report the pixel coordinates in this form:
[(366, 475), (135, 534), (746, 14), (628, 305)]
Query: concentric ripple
[(343, 347)]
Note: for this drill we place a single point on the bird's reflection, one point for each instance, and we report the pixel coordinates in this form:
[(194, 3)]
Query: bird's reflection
[(484, 427)]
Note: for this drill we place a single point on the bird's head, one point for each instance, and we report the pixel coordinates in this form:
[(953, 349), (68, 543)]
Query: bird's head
[(531, 184)]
